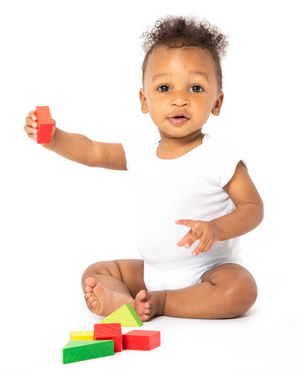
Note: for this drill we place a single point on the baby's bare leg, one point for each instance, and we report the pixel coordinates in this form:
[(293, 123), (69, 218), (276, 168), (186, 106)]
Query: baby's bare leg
[(225, 291), (108, 285)]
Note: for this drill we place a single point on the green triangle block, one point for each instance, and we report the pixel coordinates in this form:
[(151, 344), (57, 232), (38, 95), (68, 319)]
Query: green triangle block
[(75, 351), (125, 315)]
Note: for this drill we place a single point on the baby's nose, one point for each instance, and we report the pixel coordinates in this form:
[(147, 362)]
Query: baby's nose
[(179, 98)]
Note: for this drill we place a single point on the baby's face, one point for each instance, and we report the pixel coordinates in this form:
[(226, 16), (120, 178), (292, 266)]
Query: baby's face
[(180, 90)]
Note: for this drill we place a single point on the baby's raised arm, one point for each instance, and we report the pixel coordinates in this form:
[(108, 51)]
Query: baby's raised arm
[(79, 148)]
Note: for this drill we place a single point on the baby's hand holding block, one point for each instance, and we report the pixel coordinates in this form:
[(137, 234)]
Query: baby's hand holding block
[(44, 124)]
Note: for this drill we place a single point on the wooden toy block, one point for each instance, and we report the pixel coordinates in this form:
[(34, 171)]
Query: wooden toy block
[(76, 351), (145, 340), (125, 315), (82, 335), (44, 124), (109, 331)]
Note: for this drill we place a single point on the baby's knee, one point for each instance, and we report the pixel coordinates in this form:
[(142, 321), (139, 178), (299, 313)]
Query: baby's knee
[(90, 271), (99, 268), (238, 288), (241, 294)]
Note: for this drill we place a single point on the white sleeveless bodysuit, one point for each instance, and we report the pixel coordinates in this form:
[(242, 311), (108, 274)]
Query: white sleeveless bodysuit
[(189, 187)]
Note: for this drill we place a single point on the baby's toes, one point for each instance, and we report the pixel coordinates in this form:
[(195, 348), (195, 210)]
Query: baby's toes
[(145, 317), (87, 295), (88, 289), (91, 282), (90, 300), (143, 295), (93, 305)]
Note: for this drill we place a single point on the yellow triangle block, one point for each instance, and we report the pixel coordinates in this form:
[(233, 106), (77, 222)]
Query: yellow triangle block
[(82, 335), (125, 315)]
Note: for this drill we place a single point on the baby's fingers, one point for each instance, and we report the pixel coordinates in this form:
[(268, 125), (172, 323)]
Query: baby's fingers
[(31, 119), (204, 245), (31, 125), (193, 235), (185, 222), (32, 114), (185, 241), (31, 131), (190, 238)]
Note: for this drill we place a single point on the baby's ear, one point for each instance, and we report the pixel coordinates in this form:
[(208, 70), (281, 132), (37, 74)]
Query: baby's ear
[(215, 111), (143, 100), (218, 104)]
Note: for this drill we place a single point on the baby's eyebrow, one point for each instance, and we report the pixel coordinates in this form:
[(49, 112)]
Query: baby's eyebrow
[(202, 74), (161, 74), (171, 74)]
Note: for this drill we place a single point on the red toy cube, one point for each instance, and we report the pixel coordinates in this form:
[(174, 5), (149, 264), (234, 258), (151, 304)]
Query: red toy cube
[(141, 340), (44, 124), (109, 331)]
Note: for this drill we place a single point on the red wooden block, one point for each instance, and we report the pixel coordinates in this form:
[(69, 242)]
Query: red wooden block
[(109, 331), (44, 124), (141, 340)]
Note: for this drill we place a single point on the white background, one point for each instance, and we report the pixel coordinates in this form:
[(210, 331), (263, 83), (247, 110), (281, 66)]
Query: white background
[(83, 59)]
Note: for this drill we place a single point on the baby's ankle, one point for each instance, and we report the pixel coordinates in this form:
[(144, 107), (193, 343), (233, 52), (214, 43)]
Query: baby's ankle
[(159, 299)]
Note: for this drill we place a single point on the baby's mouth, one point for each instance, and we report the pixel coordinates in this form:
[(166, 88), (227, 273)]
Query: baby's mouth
[(178, 119)]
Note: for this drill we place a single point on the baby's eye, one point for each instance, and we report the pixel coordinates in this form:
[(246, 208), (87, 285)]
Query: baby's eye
[(196, 88), (164, 88)]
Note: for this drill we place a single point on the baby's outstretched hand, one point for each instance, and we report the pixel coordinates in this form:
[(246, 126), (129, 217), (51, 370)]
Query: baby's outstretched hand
[(31, 126), (208, 233)]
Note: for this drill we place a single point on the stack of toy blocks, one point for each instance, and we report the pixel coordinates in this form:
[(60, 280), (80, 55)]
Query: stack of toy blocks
[(107, 337)]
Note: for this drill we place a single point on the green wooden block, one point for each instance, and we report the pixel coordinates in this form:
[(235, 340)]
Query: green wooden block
[(75, 351), (125, 315)]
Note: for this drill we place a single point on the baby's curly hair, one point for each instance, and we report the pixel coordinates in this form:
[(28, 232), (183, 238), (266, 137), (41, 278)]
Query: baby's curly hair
[(179, 31)]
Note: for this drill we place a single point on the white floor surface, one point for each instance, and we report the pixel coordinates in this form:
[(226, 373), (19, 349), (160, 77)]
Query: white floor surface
[(265, 341)]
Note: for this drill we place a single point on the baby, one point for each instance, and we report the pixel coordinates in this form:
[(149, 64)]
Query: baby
[(195, 197)]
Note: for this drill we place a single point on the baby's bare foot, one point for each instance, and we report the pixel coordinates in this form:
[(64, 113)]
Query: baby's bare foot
[(103, 301), (149, 304)]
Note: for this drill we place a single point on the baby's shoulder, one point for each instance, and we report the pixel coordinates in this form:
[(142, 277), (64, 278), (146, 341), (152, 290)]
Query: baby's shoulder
[(217, 144), (145, 144), (139, 147), (214, 140)]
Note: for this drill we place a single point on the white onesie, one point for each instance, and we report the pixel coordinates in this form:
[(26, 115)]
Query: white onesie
[(189, 187)]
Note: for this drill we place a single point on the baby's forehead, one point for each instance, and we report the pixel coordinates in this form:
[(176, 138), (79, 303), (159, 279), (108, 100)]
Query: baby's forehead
[(174, 58)]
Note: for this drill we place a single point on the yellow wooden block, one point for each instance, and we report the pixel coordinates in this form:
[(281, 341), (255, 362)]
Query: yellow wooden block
[(82, 335)]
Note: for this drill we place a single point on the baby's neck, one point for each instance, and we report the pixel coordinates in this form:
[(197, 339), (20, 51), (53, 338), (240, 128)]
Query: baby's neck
[(172, 148)]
